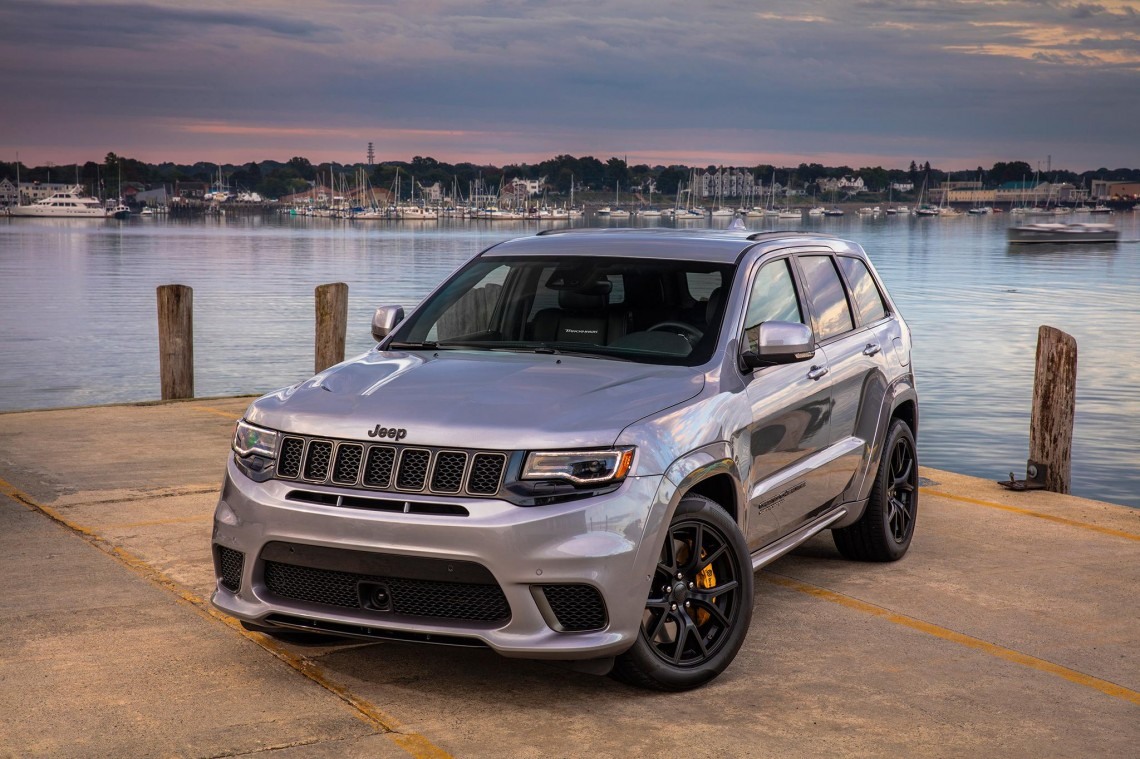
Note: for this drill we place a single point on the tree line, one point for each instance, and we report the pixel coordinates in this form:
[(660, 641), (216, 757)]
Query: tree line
[(274, 179)]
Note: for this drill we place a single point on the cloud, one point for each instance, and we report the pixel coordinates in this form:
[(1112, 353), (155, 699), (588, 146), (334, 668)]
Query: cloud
[(955, 78)]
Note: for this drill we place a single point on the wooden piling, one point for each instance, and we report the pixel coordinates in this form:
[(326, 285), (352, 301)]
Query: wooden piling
[(176, 341), (1054, 404), (332, 322)]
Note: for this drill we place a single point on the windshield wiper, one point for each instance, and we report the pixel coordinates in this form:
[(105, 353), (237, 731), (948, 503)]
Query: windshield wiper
[(429, 345), (436, 346)]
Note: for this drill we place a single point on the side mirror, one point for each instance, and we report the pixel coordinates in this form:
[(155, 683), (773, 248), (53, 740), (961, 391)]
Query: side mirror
[(772, 343), (385, 320)]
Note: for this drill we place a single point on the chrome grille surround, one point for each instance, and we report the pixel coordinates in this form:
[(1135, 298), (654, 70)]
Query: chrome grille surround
[(391, 468)]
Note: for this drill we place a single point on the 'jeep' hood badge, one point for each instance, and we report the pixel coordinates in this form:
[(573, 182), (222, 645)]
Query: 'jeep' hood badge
[(392, 433)]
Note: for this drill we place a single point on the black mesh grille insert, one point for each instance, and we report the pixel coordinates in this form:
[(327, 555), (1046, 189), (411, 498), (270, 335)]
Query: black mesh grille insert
[(413, 469), (347, 466), (230, 563), (486, 471), (318, 459), (290, 463), (422, 598), (577, 607), (378, 469), (448, 474)]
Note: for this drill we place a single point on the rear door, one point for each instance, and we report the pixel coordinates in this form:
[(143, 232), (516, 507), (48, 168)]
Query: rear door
[(855, 358)]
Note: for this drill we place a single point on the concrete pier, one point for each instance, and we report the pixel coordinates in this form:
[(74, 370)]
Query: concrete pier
[(1012, 627)]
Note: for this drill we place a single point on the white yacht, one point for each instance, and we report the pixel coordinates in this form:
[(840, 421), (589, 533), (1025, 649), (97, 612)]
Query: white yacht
[(71, 205)]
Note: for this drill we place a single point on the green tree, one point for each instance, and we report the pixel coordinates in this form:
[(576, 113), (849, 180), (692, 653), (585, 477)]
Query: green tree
[(303, 168), (616, 173)]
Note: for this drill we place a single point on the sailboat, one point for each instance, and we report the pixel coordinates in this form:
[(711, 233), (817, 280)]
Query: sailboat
[(618, 212), (924, 209)]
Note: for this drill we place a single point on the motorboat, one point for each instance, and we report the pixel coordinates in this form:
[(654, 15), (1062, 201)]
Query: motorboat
[(71, 205), (1056, 232)]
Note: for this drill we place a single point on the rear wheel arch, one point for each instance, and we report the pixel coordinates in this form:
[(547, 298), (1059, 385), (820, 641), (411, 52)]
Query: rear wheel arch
[(908, 412)]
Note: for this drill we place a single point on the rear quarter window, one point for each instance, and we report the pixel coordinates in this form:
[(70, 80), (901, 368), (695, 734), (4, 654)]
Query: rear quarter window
[(868, 300)]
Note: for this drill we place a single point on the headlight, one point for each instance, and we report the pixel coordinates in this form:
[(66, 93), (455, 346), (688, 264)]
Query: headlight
[(579, 467), (250, 440)]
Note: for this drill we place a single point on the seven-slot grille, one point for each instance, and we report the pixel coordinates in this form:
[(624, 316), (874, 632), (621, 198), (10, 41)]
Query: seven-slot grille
[(403, 468)]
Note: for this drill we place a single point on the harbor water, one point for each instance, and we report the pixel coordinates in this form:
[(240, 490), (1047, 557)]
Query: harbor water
[(78, 316)]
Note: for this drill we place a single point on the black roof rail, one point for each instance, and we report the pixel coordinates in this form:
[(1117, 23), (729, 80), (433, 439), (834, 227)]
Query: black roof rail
[(788, 233), (591, 230)]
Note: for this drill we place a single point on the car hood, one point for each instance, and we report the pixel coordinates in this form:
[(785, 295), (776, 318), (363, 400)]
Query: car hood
[(500, 401)]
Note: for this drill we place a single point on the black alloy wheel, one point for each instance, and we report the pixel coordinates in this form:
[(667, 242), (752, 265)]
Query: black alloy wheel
[(902, 490), (886, 528), (699, 603)]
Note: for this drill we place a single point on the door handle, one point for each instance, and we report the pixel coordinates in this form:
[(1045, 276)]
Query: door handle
[(871, 349), (816, 372)]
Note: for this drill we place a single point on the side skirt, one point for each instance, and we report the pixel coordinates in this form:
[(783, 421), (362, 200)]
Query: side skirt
[(773, 551)]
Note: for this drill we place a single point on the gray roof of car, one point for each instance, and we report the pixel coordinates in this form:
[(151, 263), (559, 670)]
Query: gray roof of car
[(719, 246)]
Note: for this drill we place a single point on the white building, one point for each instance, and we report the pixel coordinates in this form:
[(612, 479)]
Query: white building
[(848, 185), (528, 186), (726, 183), (30, 192)]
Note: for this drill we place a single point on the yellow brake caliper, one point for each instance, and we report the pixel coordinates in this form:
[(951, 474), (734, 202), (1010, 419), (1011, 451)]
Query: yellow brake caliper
[(706, 579)]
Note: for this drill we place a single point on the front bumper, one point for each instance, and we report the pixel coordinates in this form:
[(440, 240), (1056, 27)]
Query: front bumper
[(609, 542)]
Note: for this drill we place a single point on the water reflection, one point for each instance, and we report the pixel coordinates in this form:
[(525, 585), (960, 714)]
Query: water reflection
[(77, 315)]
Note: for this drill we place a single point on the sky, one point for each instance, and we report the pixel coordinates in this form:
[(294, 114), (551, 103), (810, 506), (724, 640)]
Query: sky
[(958, 83)]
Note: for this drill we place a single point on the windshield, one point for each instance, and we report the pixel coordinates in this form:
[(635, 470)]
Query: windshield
[(632, 309)]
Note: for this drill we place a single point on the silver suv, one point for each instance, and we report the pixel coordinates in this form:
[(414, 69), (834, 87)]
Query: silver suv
[(581, 446)]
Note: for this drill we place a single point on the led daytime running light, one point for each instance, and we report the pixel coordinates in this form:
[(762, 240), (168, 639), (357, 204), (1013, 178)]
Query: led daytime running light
[(579, 467)]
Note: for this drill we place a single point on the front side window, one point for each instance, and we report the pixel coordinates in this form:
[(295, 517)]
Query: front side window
[(638, 309), (772, 299), (828, 298)]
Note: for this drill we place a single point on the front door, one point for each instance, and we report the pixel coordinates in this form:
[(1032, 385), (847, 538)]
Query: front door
[(791, 413)]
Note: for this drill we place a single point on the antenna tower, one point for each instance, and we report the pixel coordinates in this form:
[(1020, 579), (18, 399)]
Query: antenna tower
[(371, 154)]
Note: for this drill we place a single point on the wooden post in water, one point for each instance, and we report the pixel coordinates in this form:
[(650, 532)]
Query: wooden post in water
[(332, 322), (176, 341), (1054, 403)]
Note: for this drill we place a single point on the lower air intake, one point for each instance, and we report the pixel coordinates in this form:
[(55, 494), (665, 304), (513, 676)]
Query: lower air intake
[(577, 608), (420, 598), (230, 563)]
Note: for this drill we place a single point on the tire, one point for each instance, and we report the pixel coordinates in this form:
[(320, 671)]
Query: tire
[(885, 530), (693, 624)]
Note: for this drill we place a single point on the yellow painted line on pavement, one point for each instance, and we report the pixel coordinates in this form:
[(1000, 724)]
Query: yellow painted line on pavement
[(1001, 652), (1037, 514), (414, 744), (217, 412)]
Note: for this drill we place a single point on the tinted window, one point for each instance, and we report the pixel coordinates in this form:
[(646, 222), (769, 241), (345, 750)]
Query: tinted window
[(868, 300), (773, 296), (636, 309), (702, 284), (828, 298)]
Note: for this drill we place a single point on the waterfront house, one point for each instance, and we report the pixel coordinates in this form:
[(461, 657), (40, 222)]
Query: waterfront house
[(9, 195)]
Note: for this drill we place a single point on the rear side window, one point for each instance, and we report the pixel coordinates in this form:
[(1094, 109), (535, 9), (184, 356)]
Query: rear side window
[(868, 299), (828, 298)]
